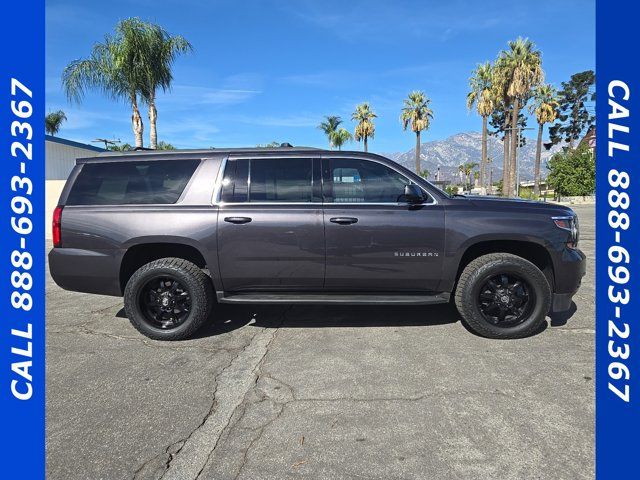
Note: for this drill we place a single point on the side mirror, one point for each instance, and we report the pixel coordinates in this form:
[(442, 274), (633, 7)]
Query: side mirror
[(413, 194)]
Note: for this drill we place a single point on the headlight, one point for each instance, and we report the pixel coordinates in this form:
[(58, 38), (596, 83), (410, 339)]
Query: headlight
[(570, 224)]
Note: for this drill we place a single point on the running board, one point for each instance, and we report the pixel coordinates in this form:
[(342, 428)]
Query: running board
[(336, 298)]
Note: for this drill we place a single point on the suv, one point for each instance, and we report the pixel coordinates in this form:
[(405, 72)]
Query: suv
[(177, 232)]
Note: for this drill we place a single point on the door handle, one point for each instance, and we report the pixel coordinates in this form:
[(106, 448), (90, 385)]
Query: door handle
[(237, 220), (343, 220)]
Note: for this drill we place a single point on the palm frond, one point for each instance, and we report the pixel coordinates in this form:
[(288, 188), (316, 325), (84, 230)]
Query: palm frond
[(416, 112), (365, 127)]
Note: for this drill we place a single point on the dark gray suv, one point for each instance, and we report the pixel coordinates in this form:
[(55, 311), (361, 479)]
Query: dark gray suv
[(177, 232)]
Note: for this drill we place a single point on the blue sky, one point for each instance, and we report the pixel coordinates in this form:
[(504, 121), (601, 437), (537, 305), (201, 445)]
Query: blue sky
[(270, 70)]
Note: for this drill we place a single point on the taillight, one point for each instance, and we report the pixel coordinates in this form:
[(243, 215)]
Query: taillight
[(56, 228)]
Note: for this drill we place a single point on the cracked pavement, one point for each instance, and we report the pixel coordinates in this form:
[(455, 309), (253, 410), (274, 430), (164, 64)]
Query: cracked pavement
[(277, 392)]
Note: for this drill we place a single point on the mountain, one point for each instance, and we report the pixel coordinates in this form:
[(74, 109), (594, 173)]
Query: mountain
[(466, 147)]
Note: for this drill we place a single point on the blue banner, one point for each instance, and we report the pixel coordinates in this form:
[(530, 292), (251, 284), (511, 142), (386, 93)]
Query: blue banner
[(617, 252), (22, 300)]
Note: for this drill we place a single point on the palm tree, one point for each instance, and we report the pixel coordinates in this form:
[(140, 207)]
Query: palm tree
[(115, 68), (521, 67), (365, 128), (329, 127), (162, 145), (545, 107), (53, 122), (340, 137), (502, 108), (159, 50), (417, 114), (467, 169), (482, 96)]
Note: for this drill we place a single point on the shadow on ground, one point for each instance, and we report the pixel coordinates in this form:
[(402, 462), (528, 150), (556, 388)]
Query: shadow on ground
[(227, 318)]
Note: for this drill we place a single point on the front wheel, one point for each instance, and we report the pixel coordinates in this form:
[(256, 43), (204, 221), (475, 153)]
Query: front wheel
[(168, 299), (503, 296)]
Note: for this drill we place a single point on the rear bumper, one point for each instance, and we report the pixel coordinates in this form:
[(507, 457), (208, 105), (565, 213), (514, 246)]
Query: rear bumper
[(85, 271)]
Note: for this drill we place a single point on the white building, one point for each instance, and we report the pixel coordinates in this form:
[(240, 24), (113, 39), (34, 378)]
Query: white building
[(60, 158)]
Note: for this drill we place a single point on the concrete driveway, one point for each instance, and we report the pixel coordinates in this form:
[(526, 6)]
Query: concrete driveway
[(319, 392)]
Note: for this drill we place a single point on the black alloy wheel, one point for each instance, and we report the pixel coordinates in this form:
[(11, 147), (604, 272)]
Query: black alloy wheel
[(506, 300), (165, 302), (169, 299), (501, 295)]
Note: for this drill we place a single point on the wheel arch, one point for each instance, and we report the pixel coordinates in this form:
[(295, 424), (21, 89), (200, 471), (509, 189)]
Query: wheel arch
[(138, 254), (532, 251)]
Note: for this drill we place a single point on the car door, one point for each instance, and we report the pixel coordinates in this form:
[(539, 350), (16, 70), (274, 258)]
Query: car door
[(270, 224), (375, 240)]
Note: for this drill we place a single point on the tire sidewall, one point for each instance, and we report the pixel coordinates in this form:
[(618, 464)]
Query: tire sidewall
[(535, 280), (132, 301)]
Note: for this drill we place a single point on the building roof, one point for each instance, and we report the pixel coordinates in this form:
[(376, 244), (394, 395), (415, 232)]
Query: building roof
[(71, 143)]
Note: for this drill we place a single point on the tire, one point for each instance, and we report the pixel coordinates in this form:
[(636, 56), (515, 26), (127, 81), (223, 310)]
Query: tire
[(157, 320), (481, 292)]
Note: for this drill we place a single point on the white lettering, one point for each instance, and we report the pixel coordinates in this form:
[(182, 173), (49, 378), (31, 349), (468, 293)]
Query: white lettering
[(21, 395), (619, 84)]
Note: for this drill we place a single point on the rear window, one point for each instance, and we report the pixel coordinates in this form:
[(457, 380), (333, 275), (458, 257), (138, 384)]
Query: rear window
[(123, 183)]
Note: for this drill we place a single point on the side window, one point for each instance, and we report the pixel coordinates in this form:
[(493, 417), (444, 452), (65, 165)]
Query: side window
[(281, 180), (268, 180), (363, 181), (131, 182), (235, 187)]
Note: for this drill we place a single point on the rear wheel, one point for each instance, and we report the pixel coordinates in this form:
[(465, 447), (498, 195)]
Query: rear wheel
[(168, 299), (503, 296)]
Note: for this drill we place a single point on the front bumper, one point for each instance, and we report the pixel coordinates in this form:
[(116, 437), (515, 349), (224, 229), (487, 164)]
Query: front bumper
[(568, 276), (561, 302)]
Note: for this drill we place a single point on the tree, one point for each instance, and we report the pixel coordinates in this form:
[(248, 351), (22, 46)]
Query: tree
[(467, 170), (164, 146), (123, 147), (499, 121), (273, 144), (329, 127), (424, 174), (500, 129), (545, 104), (519, 70), (482, 96), (340, 137), (53, 122), (573, 172), (574, 117), (365, 127), (450, 190), (417, 115), (158, 51), (113, 67)]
